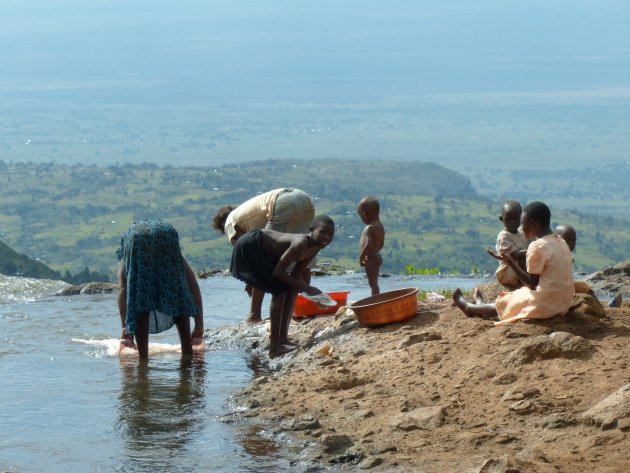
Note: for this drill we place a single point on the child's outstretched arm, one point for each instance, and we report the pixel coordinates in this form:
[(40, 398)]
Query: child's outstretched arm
[(529, 280), (294, 279)]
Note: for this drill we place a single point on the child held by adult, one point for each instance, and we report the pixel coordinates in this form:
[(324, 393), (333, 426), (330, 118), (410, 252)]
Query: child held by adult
[(547, 284), (372, 240), (510, 241), (156, 288), (262, 258)]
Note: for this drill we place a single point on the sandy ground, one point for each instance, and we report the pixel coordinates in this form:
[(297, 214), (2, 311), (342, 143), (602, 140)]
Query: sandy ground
[(441, 392)]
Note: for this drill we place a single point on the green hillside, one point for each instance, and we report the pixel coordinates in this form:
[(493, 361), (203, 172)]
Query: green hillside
[(15, 264), (72, 217)]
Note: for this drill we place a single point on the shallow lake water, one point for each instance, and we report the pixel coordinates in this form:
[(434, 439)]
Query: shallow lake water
[(69, 403)]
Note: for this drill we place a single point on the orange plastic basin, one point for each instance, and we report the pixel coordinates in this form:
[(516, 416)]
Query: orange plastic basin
[(387, 307), (305, 308)]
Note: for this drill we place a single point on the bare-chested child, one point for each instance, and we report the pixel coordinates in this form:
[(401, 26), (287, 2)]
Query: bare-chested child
[(263, 258), (510, 241), (372, 240), (568, 233)]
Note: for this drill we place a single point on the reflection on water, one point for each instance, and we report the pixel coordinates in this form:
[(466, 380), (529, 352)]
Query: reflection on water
[(72, 404), (258, 367), (159, 411), (257, 443)]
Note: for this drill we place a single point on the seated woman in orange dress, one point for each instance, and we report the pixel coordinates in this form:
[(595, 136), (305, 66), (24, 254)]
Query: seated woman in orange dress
[(547, 284)]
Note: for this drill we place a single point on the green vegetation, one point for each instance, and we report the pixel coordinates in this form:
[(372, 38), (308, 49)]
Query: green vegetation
[(72, 217), (410, 270), (568, 149), (15, 264)]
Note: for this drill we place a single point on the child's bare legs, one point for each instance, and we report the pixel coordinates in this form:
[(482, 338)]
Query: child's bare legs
[(372, 265), (183, 329), (276, 310), (473, 310), (257, 297), (287, 314), (142, 335)]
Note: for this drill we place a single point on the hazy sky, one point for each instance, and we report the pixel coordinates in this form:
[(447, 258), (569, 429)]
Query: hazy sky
[(201, 51)]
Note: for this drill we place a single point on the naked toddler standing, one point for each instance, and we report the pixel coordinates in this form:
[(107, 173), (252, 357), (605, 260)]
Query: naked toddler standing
[(372, 240)]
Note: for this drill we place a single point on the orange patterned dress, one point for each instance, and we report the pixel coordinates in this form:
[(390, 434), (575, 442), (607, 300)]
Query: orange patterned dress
[(550, 258)]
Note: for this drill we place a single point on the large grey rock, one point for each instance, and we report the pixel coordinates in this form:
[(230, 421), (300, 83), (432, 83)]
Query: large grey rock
[(611, 409), (612, 279), (558, 421), (547, 347), (523, 407), (69, 291), (88, 288), (423, 418), (419, 338), (587, 304), (505, 379), (370, 462), (99, 288), (333, 443), (520, 464), (303, 423)]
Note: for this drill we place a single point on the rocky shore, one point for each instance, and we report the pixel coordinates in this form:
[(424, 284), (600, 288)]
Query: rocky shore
[(445, 393)]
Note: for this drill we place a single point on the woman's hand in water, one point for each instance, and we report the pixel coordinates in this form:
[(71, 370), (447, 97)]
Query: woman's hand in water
[(126, 341), (197, 338)]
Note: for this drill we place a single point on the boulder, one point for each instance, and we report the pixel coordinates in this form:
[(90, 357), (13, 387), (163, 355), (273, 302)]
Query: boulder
[(99, 288), (419, 338), (511, 464), (610, 410), (370, 462), (558, 420), (587, 304), (423, 418), (333, 443), (612, 279), (302, 423), (211, 272), (546, 347), (88, 288)]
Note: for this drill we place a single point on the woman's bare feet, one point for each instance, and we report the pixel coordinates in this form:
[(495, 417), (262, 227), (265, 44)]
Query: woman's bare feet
[(460, 302), (280, 350)]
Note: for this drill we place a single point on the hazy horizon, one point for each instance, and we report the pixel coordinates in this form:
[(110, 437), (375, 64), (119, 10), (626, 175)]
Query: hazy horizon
[(197, 82), (192, 52)]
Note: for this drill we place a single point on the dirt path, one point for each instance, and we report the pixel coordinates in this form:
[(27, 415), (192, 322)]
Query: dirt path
[(446, 393)]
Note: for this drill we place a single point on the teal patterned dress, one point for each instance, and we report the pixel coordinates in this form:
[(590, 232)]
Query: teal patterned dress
[(156, 277)]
